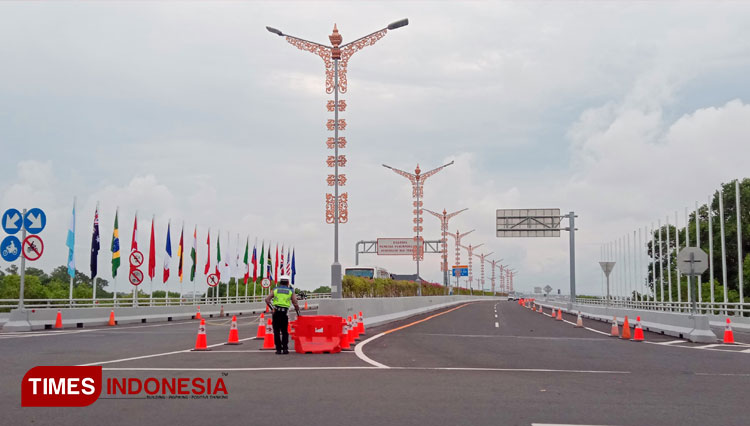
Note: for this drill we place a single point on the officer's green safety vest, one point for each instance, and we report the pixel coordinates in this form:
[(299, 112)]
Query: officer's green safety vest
[(282, 297)]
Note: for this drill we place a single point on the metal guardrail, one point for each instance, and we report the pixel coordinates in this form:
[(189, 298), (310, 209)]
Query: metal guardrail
[(709, 308), (6, 304)]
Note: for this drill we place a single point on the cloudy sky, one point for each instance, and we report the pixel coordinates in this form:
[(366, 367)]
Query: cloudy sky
[(192, 112)]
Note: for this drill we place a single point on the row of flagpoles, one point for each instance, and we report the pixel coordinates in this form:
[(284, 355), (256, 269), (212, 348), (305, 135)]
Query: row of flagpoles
[(263, 266)]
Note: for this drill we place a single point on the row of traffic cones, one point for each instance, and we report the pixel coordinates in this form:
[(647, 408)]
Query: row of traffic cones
[(233, 339), (351, 330), (58, 319), (636, 336)]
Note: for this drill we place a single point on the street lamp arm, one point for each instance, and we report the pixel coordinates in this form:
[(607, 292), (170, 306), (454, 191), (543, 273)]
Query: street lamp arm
[(408, 175), (425, 175), (455, 213), (392, 26)]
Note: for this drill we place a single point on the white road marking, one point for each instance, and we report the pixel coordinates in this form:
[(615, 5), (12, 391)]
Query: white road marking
[(671, 342), (495, 315), (497, 324), (361, 355), (558, 424), (723, 374), (708, 346)]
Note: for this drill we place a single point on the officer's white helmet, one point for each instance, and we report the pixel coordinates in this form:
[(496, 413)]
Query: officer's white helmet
[(284, 279)]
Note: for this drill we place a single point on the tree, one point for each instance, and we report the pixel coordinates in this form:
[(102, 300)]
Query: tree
[(12, 270), (322, 289)]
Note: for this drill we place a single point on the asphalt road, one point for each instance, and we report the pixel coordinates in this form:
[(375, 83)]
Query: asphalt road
[(487, 363)]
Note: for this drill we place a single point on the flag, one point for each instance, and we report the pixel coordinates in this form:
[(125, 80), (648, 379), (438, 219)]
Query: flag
[(276, 275), (71, 243), (281, 265), (167, 254), (218, 255), (288, 263), (237, 259), (115, 248), (194, 253), (95, 244), (152, 253), (294, 270), (180, 251), (245, 260), (208, 253), (255, 264), (269, 271), (262, 259)]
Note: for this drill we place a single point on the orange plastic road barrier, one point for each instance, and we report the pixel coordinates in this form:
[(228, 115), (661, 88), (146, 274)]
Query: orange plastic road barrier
[(234, 338), (268, 338), (200, 341), (261, 328), (111, 318), (559, 315), (615, 330), (198, 315), (579, 321), (319, 334), (361, 324), (625, 329), (638, 333), (58, 320), (728, 333)]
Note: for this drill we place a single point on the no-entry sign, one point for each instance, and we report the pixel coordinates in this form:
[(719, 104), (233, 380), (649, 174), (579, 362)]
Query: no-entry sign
[(265, 283), (212, 280), (33, 247), (135, 277), (136, 259)]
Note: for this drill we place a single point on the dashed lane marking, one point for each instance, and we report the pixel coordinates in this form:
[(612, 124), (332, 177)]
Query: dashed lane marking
[(497, 324)]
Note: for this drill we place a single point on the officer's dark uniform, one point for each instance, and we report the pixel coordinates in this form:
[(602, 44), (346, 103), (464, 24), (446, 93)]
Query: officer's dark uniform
[(283, 297)]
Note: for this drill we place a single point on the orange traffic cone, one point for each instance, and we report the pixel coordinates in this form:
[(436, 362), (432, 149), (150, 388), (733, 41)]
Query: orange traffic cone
[(728, 333), (261, 328), (305, 308), (198, 315), (579, 321), (559, 315), (345, 346), (200, 341), (350, 335), (553, 312), (111, 318), (234, 338), (58, 320), (268, 338), (625, 329), (267, 310), (638, 333), (361, 324), (615, 330)]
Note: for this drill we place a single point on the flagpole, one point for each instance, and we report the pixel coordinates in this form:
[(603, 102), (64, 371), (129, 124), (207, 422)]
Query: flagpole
[(96, 260), (70, 289), (151, 296), (114, 279), (236, 280)]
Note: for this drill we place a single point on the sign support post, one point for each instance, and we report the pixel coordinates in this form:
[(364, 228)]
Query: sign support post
[(23, 264)]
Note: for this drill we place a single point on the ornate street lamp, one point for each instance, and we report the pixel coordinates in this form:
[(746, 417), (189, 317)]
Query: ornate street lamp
[(335, 58), (444, 218)]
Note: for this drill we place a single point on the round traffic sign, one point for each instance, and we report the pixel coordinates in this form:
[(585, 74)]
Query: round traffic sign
[(136, 259), (34, 221), (10, 248), (12, 221), (135, 277), (212, 280), (33, 247), (265, 283)]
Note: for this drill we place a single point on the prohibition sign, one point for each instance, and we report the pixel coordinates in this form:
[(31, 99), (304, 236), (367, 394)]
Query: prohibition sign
[(135, 277), (212, 280), (33, 247), (136, 259), (265, 283)]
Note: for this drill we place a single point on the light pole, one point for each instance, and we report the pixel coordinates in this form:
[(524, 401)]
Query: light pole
[(444, 218), (470, 250), (417, 183), (493, 263), (336, 58), (458, 237), (481, 267)]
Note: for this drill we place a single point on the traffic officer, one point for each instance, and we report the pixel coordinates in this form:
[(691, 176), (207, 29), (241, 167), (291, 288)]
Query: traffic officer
[(279, 302)]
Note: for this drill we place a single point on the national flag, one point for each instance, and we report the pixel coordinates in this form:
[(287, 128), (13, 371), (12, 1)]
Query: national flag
[(208, 253), (95, 244), (167, 254), (237, 259), (245, 260), (180, 250), (294, 270), (262, 259), (218, 255), (194, 253), (276, 275), (152, 252), (134, 241), (115, 248), (71, 243), (288, 263), (255, 264), (281, 265), (269, 266)]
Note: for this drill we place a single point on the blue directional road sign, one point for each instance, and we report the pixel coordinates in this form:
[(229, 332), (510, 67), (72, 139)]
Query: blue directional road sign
[(463, 271), (10, 248), (12, 221), (34, 221)]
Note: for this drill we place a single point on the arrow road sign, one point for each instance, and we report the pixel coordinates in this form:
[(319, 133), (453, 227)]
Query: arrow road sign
[(11, 221), (212, 280), (35, 221), (692, 261), (10, 248), (135, 277), (33, 247), (136, 259)]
